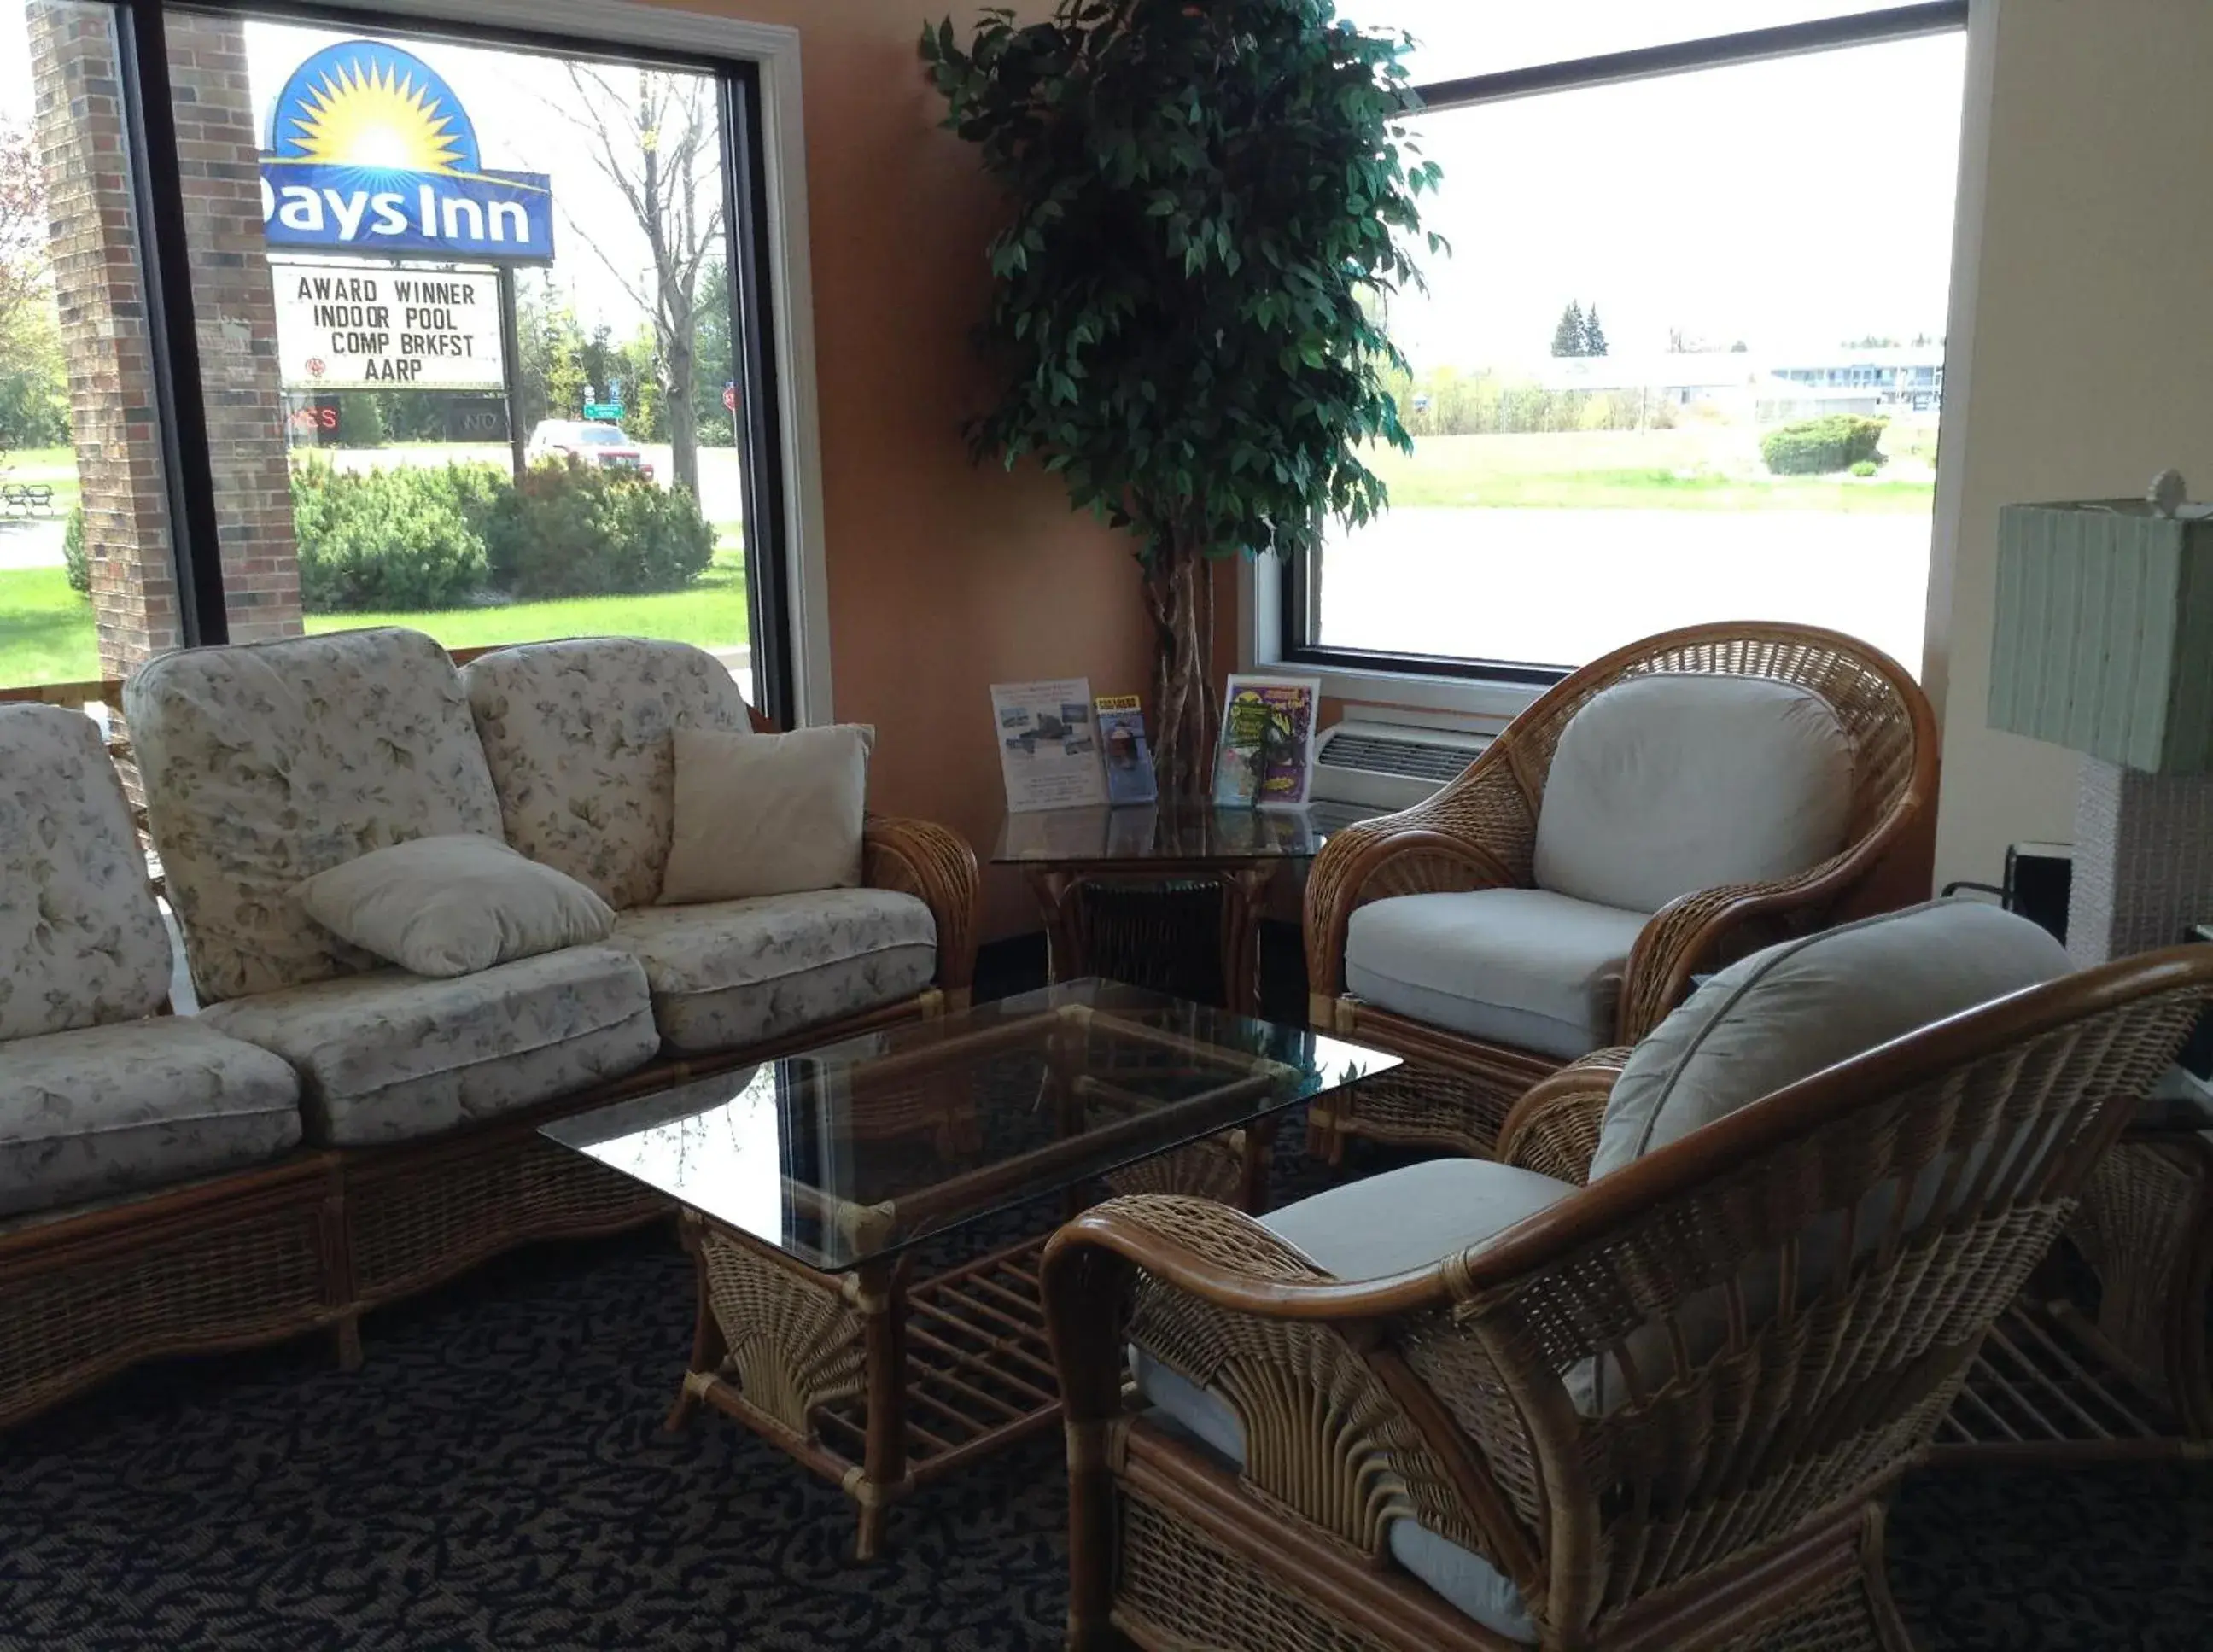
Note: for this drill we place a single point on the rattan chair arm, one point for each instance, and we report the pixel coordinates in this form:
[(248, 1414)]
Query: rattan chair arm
[(1379, 1409), (1124, 1227), (1478, 833), (1695, 931), (937, 866), (1554, 1128)]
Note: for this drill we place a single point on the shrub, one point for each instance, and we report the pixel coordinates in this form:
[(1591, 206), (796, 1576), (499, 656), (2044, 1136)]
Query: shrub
[(387, 538), (1866, 467), (1821, 447), (571, 529), (73, 554), (360, 421)]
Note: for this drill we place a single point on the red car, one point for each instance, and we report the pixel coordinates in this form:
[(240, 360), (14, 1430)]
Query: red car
[(603, 445)]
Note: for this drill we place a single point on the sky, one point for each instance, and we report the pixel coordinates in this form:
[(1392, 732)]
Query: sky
[(1791, 204)]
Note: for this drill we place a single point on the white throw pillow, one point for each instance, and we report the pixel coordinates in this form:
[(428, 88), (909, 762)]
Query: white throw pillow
[(454, 904), (1791, 1010), (1671, 783), (767, 814)]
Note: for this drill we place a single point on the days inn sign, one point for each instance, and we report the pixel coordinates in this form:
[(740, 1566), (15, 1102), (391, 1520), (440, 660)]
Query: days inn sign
[(369, 152)]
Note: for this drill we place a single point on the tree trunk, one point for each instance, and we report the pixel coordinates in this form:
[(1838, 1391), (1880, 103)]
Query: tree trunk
[(680, 406), (1179, 595)]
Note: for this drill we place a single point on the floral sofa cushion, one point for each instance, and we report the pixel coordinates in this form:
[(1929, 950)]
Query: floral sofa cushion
[(391, 1057), (734, 972), (269, 762), (577, 736), (138, 1105), (81, 942)]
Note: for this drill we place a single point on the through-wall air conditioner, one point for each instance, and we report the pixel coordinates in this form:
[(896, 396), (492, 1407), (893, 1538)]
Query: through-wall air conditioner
[(1389, 765)]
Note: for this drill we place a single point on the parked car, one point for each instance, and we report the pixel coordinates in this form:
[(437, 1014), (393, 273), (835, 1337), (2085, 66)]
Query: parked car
[(604, 445)]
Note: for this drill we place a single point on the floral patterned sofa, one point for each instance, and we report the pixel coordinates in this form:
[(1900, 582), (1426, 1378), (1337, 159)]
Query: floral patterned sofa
[(405, 1146), (101, 1093)]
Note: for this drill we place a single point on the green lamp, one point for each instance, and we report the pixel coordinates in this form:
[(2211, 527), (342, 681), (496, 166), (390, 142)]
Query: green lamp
[(2104, 644)]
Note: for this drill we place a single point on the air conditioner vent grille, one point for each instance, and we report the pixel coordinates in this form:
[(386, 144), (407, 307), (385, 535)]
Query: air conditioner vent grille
[(1380, 754)]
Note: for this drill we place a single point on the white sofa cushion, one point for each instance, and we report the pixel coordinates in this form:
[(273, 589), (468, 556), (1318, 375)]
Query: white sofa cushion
[(732, 974), (577, 736), (81, 940), (1525, 967), (1669, 783), (767, 814), (135, 1105), (391, 1057), (1790, 1011), (1403, 1219), (454, 904), (269, 762)]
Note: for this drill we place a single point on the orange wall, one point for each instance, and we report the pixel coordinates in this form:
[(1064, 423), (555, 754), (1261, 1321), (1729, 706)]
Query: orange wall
[(944, 577)]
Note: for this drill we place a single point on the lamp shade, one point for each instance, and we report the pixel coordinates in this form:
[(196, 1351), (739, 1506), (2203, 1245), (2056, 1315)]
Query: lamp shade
[(2104, 633)]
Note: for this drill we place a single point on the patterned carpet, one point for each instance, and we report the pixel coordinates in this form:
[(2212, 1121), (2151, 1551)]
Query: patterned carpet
[(496, 1477)]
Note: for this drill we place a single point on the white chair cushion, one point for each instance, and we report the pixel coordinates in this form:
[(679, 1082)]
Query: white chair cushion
[(577, 736), (81, 940), (1525, 967), (1669, 783), (454, 904), (391, 1057), (1368, 1229), (266, 763), (732, 974), (1790, 1011), (135, 1105)]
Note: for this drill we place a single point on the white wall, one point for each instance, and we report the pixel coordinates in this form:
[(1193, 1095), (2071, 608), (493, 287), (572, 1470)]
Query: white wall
[(2081, 340)]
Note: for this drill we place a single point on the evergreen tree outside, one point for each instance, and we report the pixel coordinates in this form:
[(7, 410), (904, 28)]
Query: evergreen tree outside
[(1594, 333), (1569, 338)]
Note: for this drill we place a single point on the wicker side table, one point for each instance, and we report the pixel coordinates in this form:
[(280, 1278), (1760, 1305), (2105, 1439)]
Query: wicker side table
[(1141, 889)]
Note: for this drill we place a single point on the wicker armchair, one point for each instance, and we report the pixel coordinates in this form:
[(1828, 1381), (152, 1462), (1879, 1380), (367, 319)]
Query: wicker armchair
[(1729, 1490), (1480, 832)]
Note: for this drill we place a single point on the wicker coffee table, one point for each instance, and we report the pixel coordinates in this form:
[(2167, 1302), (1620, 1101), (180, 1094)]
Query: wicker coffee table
[(867, 1217)]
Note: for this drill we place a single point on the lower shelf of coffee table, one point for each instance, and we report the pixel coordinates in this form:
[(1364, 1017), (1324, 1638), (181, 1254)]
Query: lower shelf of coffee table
[(978, 1370)]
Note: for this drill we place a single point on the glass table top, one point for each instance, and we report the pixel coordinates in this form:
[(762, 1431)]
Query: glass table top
[(1167, 831), (851, 1152)]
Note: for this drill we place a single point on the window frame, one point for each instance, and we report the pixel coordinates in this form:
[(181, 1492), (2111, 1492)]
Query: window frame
[(1277, 596), (757, 68)]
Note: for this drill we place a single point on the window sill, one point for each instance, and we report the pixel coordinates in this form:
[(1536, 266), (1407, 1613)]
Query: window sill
[(1489, 701)]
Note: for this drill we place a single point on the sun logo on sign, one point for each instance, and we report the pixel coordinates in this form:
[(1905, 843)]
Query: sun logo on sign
[(376, 116)]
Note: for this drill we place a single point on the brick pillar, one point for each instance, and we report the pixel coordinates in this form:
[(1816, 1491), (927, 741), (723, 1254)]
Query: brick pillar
[(236, 309), (101, 295)]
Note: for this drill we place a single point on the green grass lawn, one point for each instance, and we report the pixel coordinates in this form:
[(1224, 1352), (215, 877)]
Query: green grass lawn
[(46, 632), (1688, 469), (45, 629)]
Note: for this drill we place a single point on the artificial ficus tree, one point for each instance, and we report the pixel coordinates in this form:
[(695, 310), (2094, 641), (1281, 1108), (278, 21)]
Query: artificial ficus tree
[(1211, 203)]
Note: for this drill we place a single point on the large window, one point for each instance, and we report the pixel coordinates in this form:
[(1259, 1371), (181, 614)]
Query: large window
[(445, 328), (1685, 360)]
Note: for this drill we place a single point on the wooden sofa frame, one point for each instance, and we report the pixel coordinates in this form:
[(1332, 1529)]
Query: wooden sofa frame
[(313, 1240)]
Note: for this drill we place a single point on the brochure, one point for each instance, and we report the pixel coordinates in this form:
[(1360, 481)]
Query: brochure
[(1266, 753), (1129, 755), (1048, 745)]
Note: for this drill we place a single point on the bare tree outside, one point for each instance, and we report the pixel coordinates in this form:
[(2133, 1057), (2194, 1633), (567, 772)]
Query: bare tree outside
[(656, 138)]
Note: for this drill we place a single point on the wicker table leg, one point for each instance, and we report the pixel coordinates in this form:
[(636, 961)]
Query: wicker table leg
[(875, 1292), (1244, 893)]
